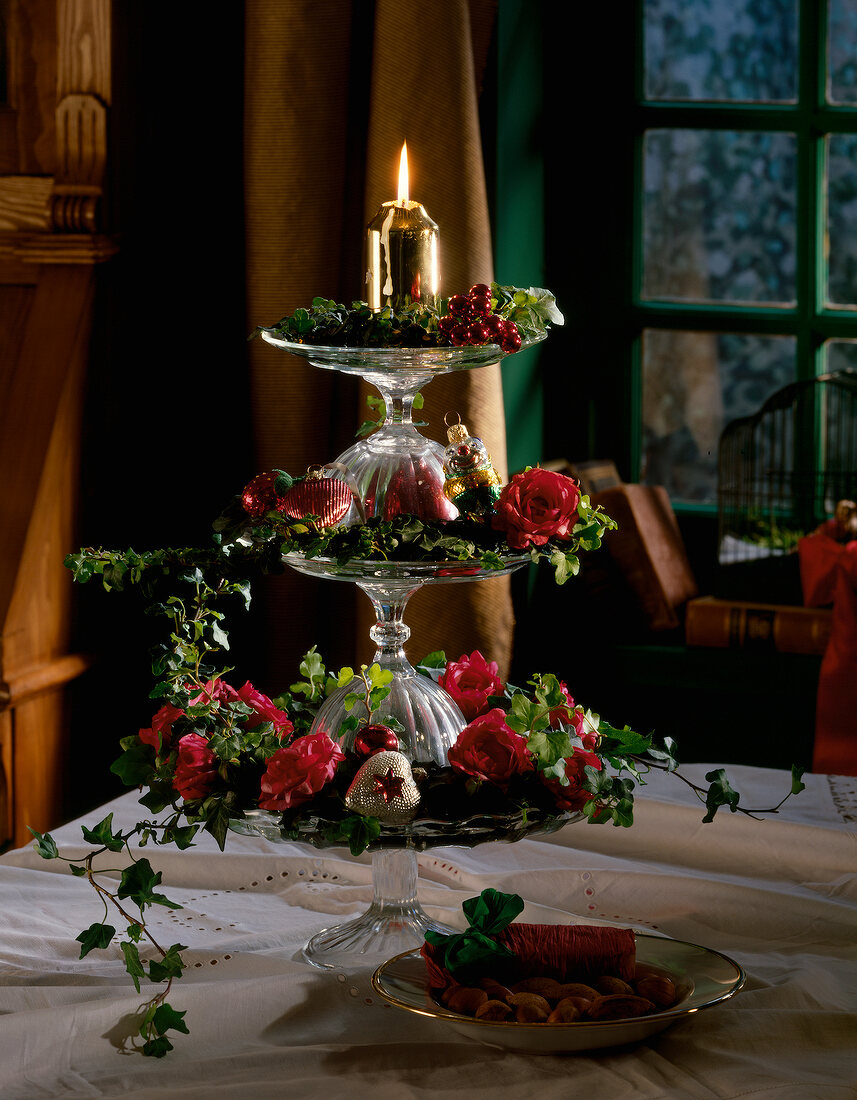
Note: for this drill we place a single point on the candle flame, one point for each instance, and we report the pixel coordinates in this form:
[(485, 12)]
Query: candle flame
[(403, 174)]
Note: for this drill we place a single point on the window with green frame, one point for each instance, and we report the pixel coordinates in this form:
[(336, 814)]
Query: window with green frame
[(745, 224)]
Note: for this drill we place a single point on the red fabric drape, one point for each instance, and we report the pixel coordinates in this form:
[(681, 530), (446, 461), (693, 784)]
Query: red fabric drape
[(829, 575)]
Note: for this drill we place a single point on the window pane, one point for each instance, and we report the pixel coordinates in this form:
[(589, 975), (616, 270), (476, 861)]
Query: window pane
[(842, 220), (719, 216), (842, 52), (841, 355), (721, 50), (694, 384)]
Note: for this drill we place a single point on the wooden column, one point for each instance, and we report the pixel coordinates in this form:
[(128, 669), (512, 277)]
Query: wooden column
[(53, 151)]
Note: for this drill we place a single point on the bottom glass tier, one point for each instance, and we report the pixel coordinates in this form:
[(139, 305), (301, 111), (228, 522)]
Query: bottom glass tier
[(395, 921)]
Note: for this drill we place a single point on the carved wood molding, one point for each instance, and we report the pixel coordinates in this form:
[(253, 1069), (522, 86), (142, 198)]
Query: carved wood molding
[(81, 159), (83, 96), (58, 219)]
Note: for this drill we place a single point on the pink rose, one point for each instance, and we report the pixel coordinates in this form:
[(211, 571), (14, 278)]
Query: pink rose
[(470, 680), (265, 711), (536, 506), (573, 796), (488, 749), (196, 767), (160, 733), (299, 771)]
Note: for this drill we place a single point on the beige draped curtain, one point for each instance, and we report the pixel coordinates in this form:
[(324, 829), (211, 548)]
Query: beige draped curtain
[(332, 89)]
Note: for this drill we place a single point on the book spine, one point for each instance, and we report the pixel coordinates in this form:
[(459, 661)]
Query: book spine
[(782, 630)]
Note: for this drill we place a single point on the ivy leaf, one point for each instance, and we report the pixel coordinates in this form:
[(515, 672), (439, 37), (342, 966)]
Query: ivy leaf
[(45, 844), (181, 836), (157, 1047), (170, 966), (437, 659), (358, 832), (797, 775), (158, 796), (97, 936), (720, 793), (103, 835), (565, 565), (217, 820), (138, 882), (167, 1019), (314, 673), (135, 765), (549, 746), (133, 964)]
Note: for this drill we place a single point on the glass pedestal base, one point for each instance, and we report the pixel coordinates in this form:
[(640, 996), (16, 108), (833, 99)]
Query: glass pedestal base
[(394, 922)]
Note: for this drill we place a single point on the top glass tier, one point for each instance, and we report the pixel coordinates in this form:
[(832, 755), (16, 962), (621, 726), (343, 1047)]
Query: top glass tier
[(393, 361)]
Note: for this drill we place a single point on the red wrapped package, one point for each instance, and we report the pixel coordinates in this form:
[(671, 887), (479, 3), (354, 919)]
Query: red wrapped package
[(577, 952)]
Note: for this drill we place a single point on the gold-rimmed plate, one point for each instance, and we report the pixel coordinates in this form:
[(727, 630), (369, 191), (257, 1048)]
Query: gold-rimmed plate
[(703, 978)]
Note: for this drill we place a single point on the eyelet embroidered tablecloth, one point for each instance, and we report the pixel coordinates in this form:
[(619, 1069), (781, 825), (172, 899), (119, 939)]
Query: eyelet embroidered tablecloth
[(778, 895)]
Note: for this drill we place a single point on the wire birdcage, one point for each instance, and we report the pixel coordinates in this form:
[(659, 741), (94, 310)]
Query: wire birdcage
[(783, 470)]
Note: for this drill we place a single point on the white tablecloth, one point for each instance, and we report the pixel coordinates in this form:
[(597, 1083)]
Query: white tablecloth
[(779, 896)]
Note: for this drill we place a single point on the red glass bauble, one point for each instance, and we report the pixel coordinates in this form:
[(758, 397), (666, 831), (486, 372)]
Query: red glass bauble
[(372, 739), (259, 496)]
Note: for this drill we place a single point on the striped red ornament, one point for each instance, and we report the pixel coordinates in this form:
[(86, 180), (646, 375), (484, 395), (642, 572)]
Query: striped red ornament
[(329, 498)]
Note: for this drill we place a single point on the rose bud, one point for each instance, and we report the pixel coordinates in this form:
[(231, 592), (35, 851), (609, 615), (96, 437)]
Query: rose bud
[(372, 739)]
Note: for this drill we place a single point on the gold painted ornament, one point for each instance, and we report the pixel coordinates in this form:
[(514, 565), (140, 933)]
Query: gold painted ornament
[(472, 483), (384, 787)]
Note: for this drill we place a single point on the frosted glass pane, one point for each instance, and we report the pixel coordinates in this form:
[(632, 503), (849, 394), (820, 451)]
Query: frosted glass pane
[(721, 50), (694, 384), (842, 52), (842, 220), (719, 216)]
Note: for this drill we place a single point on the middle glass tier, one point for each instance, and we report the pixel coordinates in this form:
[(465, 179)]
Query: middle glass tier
[(427, 718)]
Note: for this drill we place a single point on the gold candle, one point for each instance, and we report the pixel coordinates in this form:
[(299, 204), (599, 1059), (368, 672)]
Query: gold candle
[(402, 255)]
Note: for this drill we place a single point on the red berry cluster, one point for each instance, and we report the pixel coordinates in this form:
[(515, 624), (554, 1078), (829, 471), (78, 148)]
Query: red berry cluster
[(471, 321)]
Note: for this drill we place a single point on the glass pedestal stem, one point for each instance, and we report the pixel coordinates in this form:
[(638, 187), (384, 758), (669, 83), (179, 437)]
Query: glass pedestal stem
[(394, 922)]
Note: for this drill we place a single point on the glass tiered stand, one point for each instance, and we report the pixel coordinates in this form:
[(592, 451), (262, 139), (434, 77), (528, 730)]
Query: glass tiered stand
[(397, 470)]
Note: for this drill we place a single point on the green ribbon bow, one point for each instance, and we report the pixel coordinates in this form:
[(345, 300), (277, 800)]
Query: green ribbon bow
[(487, 915)]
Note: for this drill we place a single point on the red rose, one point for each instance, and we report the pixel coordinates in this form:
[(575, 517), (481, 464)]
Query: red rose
[(196, 767), (536, 506), (265, 711), (158, 736), (573, 796), (214, 692), (470, 680), (488, 749), (299, 771)]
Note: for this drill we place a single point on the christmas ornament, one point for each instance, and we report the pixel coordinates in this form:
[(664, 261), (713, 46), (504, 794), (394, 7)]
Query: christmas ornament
[(372, 739), (471, 321), (384, 787), (472, 483), (260, 495), (329, 498)]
